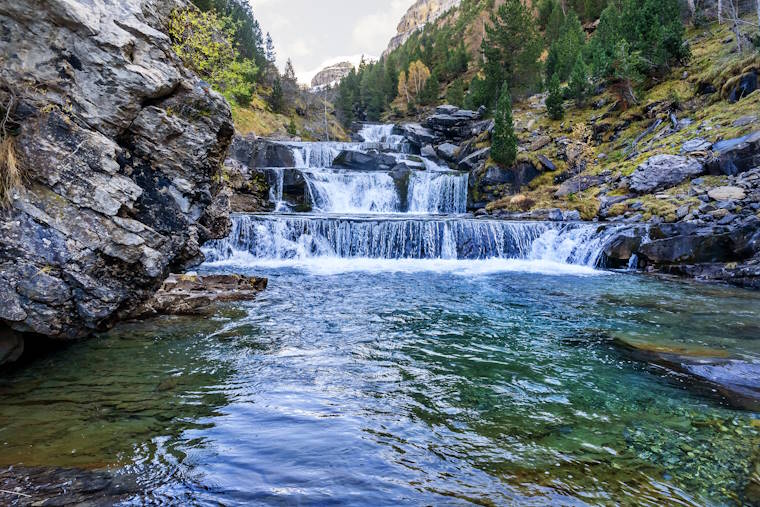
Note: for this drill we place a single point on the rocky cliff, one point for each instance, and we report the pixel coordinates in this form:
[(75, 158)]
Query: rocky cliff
[(331, 75), (120, 148), (418, 15)]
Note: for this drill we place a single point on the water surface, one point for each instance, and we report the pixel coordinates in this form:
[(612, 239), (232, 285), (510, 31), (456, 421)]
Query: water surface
[(402, 387)]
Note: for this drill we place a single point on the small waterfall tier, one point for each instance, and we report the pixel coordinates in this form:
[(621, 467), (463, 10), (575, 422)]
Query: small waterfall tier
[(373, 203), (299, 237)]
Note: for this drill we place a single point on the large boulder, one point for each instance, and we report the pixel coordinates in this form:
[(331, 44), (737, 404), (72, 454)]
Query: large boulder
[(664, 171), (121, 149), (735, 156), (271, 154), (361, 161), (689, 243), (418, 135), (249, 185)]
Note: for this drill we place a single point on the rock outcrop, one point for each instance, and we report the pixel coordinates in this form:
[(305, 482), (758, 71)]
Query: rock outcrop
[(121, 149), (418, 15), (198, 295), (331, 76), (664, 171)]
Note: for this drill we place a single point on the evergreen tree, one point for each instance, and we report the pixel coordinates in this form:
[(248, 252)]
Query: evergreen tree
[(432, 88), (276, 99), (504, 141), (511, 49), (271, 54), (545, 9), (554, 100), (455, 93), (290, 72), (554, 24), (570, 44), (552, 62), (292, 128), (579, 81)]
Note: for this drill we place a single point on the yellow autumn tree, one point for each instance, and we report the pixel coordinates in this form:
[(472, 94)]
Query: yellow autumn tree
[(403, 89), (418, 76), (411, 85)]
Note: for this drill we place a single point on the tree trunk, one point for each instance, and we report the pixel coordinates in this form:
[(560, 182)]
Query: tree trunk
[(758, 14), (720, 11)]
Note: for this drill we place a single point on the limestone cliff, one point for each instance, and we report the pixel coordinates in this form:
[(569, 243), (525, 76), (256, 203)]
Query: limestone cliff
[(332, 74), (418, 15), (121, 150)]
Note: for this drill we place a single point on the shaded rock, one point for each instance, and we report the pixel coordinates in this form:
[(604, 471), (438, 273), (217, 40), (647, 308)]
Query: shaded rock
[(447, 151), (472, 161), (620, 249), (579, 183), (370, 161), (418, 135), (272, 154), (11, 345), (735, 156), (727, 194), (746, 84), (197, 295), (429, 152), (664, 171), (123, 150), (695, 145), (687, 243), (547, 164)]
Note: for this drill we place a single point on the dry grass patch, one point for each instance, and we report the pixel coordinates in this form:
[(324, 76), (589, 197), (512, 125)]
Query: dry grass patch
[(10, 171)]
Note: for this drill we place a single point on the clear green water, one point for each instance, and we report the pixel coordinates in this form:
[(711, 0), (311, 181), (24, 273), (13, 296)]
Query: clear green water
[(408, 388)]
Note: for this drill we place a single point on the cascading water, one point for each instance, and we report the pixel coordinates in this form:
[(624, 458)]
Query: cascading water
[(390, 216)]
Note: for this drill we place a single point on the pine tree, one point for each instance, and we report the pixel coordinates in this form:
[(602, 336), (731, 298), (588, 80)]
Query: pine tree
[(554, 100), (504, 142), (552, 62), (455, 93), (432, 88), (570, 44), (554, 24), (511, 49), (579, 81), (290, 72), (292, 128), (271, 54), (276, 99)]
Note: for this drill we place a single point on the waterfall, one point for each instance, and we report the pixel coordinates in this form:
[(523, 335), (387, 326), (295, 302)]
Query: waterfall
[(411, 214), (294, 237), (438, 192), (340, 191)]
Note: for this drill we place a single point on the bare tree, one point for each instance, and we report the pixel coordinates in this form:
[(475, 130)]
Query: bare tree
[(720, 11), (693, 9), (733, 13)]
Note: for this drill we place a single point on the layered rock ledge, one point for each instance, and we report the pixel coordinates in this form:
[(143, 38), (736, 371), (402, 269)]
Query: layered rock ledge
[(121, 150)]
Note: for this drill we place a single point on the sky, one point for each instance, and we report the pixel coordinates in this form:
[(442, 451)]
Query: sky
[(317, 33)]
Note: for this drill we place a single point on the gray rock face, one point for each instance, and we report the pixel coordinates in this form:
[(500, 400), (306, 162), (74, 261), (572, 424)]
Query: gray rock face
[(447, 151), (727, 194), (735, 156), (121, 148), (664, 171), (272, 154)]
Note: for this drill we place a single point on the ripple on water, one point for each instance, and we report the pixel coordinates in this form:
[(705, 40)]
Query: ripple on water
[(410, 387)]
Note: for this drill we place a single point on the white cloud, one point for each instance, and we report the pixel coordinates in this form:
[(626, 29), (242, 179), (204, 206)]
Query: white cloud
[(313, 34)]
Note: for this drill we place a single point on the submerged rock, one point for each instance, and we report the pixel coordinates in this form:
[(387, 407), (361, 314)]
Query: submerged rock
[(196, 295), (709, 371), (122, 149)]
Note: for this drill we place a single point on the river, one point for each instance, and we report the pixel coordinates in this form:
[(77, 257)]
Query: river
[(404, 354)]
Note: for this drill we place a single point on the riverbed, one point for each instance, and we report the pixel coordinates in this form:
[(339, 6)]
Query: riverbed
[(402, 385)]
